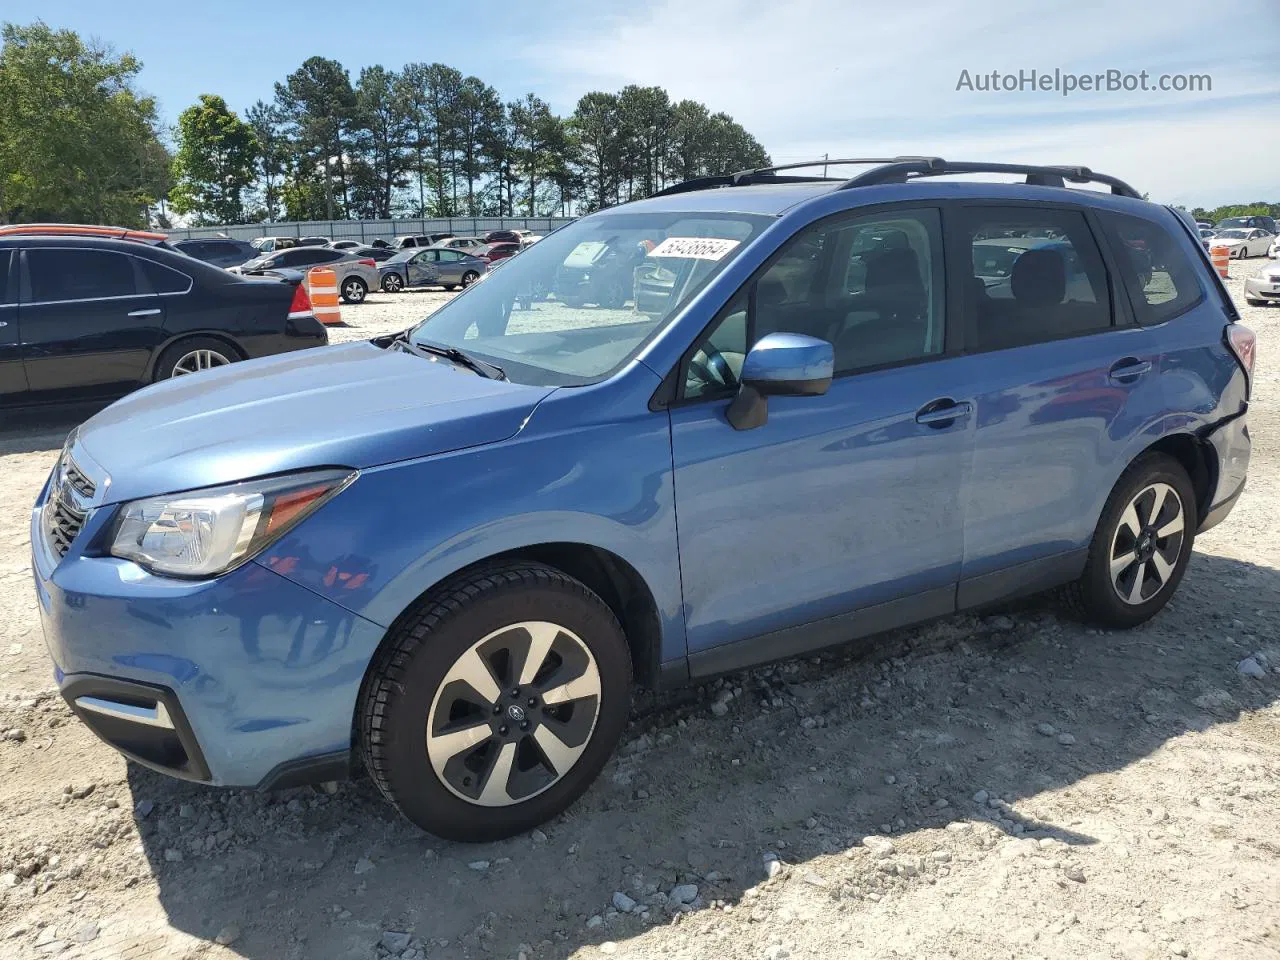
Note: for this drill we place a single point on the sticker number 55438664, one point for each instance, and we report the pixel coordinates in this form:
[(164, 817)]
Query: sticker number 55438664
[(694, 248)]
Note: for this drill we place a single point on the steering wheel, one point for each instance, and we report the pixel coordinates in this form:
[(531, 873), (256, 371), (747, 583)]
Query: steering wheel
[(710, 366)]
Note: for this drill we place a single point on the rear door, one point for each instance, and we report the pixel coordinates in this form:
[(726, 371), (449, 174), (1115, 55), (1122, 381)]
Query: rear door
[(1062, 376), (89, 321), (13, 381)]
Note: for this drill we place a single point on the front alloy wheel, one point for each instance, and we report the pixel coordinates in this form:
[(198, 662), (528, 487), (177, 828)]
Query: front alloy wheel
[(392, 283), (495, 701), (514, 714)]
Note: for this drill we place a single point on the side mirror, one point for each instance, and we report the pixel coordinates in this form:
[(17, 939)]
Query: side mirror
[(784, 365)]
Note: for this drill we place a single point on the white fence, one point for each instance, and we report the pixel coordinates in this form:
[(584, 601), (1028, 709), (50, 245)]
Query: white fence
[(368, 230)]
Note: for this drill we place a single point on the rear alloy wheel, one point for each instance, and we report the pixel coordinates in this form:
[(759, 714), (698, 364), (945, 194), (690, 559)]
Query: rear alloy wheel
[(354, 290), (1142, 544), (393, 283), (469, 278), (495, 702), (193, 356)]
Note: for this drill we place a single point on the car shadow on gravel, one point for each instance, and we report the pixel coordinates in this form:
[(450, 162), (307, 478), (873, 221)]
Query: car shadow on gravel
[(898, 735), (34, 429)]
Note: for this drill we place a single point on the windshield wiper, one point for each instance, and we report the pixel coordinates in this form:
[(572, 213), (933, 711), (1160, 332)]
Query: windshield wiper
[(463, 359)]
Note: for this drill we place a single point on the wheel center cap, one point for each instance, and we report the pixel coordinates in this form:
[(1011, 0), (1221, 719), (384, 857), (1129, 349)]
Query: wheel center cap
[(516, 713)]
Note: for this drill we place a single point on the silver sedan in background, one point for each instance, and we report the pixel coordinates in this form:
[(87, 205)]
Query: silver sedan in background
[(431, 267)]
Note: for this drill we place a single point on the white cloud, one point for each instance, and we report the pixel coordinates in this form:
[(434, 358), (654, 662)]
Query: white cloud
[(809, 77)]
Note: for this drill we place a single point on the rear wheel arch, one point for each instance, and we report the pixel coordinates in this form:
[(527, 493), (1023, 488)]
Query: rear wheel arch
[(160, 349), (1197, 457)]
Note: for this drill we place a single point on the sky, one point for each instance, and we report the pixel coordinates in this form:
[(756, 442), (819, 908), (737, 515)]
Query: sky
[(806, 77)]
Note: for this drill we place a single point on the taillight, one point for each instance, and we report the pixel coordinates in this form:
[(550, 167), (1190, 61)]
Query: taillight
[(368, 262), (1244, 344), (301, 306)]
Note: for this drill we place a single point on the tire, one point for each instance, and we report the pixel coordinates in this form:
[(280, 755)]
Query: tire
[(354, 290), (1254, 303), (415, 685), (469, 278), (192, 355), (393, 283), (1147, 584), (450, 287)]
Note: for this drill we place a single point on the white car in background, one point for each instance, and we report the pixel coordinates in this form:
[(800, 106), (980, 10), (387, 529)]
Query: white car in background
[(1275, 248), (1243, 242), (1263, 286)]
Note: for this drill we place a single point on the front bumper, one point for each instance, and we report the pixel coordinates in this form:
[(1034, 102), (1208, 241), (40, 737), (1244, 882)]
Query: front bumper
[(1261, 288), (242, 680)]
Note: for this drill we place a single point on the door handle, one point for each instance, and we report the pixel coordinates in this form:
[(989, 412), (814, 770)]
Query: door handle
[(942, 412), (144, 313), (1128, 370)]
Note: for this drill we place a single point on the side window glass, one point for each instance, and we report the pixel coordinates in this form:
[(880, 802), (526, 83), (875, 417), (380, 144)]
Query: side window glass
[(871, 286), (1037, 275), (66, 274), (4, 276), (716, 364), (1160, 277)]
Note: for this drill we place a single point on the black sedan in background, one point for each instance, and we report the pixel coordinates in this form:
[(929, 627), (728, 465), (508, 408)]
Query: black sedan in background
[(91, 313)]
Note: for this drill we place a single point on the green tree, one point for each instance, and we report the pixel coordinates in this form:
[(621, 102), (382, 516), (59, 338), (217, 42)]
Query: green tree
[(273, 154), (215, 162), (318, 103), (77, 141), (595, 129), (480, 115), (645, 119), (380, 133)]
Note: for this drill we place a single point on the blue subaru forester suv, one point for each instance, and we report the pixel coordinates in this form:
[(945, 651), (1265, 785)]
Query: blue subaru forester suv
[(802, 410)]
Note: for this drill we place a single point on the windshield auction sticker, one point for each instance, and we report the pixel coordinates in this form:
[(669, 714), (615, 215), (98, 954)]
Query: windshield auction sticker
[(694, 248)]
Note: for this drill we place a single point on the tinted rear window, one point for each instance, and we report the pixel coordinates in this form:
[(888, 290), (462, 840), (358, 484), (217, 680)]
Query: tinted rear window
[(1160, 277), (4, 276), (163, 279)]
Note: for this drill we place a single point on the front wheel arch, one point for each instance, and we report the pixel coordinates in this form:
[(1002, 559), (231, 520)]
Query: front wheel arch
[(606, 574)]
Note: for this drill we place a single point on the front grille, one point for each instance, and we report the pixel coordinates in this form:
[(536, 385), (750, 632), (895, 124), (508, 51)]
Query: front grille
[(62, 524), (70, 501)]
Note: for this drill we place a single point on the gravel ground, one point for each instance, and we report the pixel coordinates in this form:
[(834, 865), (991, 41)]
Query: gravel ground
[(1016, 785)]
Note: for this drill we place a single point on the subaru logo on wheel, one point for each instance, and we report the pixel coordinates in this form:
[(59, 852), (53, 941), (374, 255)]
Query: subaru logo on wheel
[(516, 712)]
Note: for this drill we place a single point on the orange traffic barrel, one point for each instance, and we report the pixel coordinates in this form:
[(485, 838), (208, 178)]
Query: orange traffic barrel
[(322, 286), (1221, 257)]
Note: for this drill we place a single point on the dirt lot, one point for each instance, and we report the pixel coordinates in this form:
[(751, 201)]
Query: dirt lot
[(1029, 787)]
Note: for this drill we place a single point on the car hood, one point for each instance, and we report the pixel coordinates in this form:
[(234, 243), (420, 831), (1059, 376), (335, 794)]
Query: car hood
[(352, 405), (1225, 241)]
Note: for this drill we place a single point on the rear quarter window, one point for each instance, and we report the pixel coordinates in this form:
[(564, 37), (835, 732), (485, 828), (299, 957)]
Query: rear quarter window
[(1155, 268)]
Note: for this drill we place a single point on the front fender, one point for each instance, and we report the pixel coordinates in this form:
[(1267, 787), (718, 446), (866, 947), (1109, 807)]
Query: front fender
[(403, 528)]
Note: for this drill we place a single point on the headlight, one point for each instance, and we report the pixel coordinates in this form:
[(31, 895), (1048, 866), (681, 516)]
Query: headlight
[(203, 533)]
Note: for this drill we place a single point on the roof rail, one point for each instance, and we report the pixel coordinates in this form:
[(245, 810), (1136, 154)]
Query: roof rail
[(1044, 176), (79, 230), (899, 170), (770, 174)]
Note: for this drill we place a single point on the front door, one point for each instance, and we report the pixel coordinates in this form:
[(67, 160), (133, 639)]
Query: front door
[(422, 269), (841, 514), (89, 322)]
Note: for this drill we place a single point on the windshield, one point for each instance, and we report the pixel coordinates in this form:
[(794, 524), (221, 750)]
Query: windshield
[(403, 255), (1233, 234), (576, 305)]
